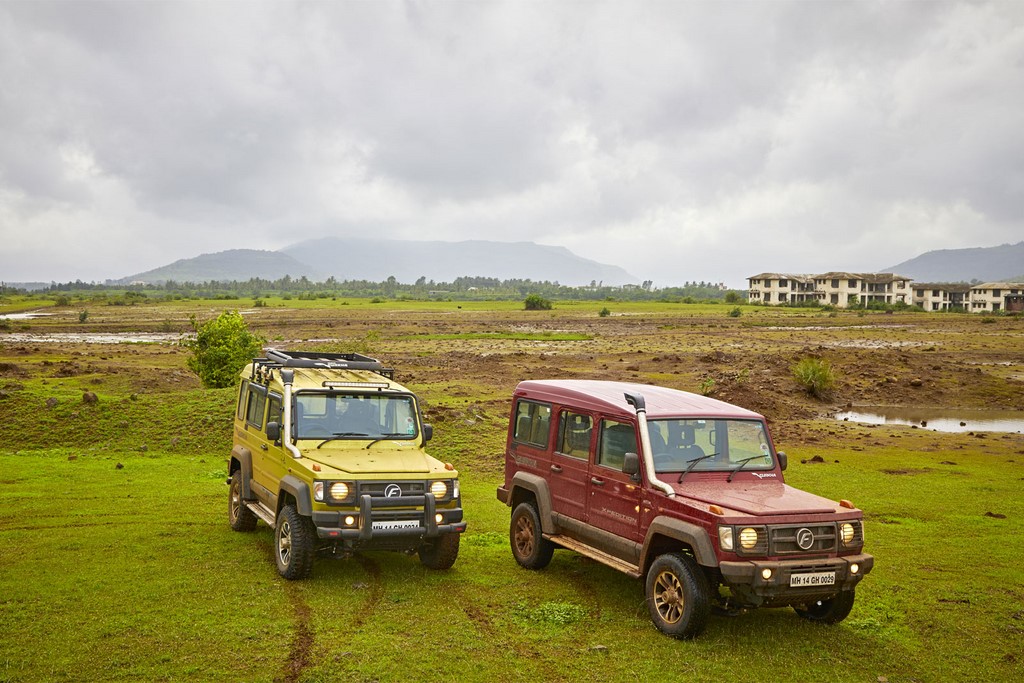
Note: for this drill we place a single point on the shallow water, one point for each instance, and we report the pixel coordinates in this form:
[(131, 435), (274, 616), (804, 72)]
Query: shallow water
[(87, 338), (938, 419)]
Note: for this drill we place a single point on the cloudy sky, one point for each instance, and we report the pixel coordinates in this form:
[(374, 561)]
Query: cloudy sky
[(679, 140)]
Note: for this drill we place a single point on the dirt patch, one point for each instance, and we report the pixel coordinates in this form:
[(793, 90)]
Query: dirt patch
[(302, 642)]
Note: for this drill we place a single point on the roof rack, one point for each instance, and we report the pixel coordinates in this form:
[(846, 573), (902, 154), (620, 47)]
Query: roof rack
[(276, 359)]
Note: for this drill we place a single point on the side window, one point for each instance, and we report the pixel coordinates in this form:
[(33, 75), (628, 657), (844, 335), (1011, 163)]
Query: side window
[(533, 423), (274, 413), (254, 410), (617, 439), (242, 393), (574, 434)]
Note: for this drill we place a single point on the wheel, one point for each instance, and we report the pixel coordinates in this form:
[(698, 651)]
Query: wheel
[(830, 611), (240, 517), (441, 553), (293, 543), (678, 597), (529, 547)]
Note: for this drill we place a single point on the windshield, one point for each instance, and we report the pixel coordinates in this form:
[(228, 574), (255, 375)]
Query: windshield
[(709, 445), (354, 416)]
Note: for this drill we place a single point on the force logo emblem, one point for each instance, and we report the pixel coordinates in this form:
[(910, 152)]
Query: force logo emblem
[(393, 491), (804, 538)]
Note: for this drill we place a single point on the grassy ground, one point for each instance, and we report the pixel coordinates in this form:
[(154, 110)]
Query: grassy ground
[(117, 563)]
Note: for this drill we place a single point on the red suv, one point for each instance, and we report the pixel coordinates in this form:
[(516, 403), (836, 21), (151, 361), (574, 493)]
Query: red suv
[(684, 491)]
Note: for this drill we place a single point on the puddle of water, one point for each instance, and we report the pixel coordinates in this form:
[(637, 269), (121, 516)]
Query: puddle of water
[(23, 316), (85, 338), (937, 419)]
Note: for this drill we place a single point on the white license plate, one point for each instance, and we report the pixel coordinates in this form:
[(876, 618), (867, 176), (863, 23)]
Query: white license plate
[(815, 579), (397, 524)]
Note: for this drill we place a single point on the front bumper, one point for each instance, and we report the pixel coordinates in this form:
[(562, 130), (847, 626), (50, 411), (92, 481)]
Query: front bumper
[(330, 525), (746, 581)]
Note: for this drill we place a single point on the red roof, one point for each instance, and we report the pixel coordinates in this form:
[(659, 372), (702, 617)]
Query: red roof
[(609, 397)]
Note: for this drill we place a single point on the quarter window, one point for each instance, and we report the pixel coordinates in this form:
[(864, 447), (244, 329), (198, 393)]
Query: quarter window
[(533, 423)]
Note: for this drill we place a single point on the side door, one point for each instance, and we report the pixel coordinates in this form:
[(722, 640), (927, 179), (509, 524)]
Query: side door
[(274, 455), (531, 437), (253, 437), (570, 464), (614, 500)]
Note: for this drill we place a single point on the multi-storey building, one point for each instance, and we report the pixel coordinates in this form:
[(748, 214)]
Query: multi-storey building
[(997, 296)]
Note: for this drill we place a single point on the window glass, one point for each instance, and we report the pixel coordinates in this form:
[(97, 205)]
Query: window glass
[(242, 393), (709, 445), (574, 434), (533, 423), (254, 410), (617, 439), (355, 416), (274, 410)]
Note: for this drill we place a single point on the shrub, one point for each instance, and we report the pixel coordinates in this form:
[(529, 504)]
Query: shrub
[(221, 348), (83, 316), (535, 302), (816, 376), (604, 312), (735, 313)]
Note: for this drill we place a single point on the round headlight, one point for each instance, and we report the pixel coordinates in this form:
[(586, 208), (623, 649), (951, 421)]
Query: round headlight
[(339, 490), (439, 489), (748, 538), (846, 532)]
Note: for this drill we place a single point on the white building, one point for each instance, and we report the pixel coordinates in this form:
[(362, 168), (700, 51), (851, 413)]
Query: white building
[(942, 296), (839, 289), (997, 296)]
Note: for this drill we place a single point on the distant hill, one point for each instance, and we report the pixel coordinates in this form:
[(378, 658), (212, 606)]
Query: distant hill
[(234, 264), (376, 260), (988, 264)]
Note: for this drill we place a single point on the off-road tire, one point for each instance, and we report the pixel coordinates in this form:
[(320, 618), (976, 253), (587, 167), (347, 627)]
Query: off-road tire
[(440, 553), (678, 596), (529, 546), (240, 517), (830, 611), (294, 547)]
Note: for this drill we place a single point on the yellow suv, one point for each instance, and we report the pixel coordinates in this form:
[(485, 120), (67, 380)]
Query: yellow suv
[(328, 450)]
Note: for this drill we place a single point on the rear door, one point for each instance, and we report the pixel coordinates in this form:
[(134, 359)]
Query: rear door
[(570, 464)]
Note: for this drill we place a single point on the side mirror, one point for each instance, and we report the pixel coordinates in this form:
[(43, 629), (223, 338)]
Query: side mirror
[(274, 431), (428, 432), (783, 460), (631, 465)]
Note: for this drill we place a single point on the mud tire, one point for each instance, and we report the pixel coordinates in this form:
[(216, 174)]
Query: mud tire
[(441, 553), (294, 547), (678, 596), (240, 517), (830, 611), (529, 547)]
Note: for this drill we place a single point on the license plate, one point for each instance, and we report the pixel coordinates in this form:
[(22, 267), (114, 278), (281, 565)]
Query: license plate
[(397, 524), (815, 579)]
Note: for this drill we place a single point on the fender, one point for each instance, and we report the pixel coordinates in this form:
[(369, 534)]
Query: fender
[(676, 529), (300, 491), (539, 487), (244, 458)]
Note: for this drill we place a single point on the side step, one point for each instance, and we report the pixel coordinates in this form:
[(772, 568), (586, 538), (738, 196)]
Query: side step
[(261, 511), (593, 553)]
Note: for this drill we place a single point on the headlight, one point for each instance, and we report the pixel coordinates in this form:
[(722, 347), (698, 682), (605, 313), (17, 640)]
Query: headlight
[(748, 537), (847, 533), (339, 490), (725, 537), (439, 489)]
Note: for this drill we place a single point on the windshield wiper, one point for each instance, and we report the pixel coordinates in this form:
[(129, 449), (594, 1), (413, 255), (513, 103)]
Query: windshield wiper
[(384, 437), (692, 464), (741, 466), (341, 435)]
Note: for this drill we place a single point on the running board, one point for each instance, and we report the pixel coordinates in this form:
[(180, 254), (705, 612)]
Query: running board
[(595, 554), (261, 511)]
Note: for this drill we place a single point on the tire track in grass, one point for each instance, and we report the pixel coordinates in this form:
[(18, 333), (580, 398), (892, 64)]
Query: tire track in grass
[(302, 642), (376, 587)]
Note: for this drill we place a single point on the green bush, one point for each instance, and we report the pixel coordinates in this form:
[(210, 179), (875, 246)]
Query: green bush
[(735, 313), (535, 302), (815, 375), (604, 312), (221, 348)]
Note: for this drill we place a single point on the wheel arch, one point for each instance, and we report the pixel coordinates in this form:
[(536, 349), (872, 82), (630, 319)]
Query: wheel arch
[(293, 488), (526, 487), (666, 535), (241, 462)]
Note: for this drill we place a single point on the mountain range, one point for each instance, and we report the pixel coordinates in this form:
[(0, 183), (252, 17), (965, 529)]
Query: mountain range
[(987, 264), (378, 259)]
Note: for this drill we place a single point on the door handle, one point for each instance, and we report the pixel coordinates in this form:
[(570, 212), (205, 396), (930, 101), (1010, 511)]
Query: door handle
[(597, 482), (263, 446), (556, 468)]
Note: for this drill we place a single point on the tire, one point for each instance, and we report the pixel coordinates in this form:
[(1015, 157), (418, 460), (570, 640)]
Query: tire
[(830, 611), (441, 553), (678, 596), (240, 517), (529, 546), (293, 544)]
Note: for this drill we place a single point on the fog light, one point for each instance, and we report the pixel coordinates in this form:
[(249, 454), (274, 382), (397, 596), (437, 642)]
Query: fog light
[(350, 520), (748, 538), (766, 574), (438, 518), (854, 568)]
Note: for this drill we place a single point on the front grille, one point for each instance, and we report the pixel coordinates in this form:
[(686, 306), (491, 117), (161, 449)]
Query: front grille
[(784, 540), (379, 489)]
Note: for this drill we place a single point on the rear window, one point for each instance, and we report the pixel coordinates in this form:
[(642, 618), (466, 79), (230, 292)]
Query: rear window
[(533, 423)]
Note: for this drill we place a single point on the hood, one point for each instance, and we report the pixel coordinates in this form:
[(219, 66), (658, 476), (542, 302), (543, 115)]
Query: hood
[(756, 497), (393, 457)]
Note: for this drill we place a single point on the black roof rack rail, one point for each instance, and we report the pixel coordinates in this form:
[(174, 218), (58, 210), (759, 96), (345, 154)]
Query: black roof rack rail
[(321, 359)]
